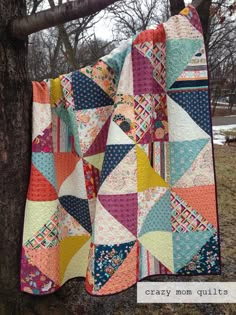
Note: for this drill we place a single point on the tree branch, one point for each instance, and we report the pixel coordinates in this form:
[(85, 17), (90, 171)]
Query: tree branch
[(20, 28)]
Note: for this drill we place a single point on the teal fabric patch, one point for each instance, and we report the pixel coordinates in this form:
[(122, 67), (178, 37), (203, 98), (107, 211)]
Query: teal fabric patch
[(186, 245), (205, 261), (44, 162), (62, 113), (182, 155), (74, 129), (159, 217), (179, 52), (116, 60)]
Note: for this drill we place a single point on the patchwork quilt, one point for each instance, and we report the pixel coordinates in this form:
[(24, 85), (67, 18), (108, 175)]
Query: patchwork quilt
[(122, 182)]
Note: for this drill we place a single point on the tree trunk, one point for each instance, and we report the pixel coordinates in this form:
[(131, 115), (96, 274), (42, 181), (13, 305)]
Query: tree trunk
[(176, 6), (15, 109)]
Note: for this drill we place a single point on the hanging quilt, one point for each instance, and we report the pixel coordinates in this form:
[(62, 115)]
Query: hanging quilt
[(122, 182)]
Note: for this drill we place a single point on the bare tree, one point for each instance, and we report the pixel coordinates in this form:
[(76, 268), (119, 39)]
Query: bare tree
[(132, 16)]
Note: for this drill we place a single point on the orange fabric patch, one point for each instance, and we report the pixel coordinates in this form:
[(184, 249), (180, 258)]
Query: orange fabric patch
[(47, 261), (41, 93), (125, 276), (202, 199), (65, 164), (39, 188)]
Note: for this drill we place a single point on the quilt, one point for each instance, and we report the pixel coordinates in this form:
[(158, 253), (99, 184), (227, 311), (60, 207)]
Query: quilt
[(122, 183)]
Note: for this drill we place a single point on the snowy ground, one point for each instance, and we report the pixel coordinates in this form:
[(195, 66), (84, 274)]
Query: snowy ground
[(218, 133)]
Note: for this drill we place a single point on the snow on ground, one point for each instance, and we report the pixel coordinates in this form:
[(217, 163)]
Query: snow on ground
[(218, 135)]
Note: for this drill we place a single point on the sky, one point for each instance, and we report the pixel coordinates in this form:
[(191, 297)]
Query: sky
[(102, 29)]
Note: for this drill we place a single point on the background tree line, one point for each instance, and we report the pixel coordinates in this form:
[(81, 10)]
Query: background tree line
[(66, 47)]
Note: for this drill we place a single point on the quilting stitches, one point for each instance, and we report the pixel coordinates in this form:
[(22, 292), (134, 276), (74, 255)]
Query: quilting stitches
[(156, 54), (185, 218), (122, 179), (47, 236)]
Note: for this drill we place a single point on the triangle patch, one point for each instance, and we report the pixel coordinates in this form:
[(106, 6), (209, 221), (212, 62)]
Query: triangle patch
[(147, 177), (200, 172), (46, 260), (159, 217), (196, 104), (205, 261), (90, 122), (28, 283), (122, 207), (201, 198), (87, 94), (44, 162), (95, 160), (107, 230), (68, 226), (146, 200), (186, 245), (185, 218), (124, 277), (99, 144), (181, 126), (39, 187), (160, 245), (43, 142), (149, 265), (74, 184), (65, 164), (182, 156), (79, 209), (117, 136), (68, 248), (123, 178), (73, 268), (113, 156), (182, 50)]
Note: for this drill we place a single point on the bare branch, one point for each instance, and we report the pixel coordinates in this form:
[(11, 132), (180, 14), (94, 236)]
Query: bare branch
[(20, 28)]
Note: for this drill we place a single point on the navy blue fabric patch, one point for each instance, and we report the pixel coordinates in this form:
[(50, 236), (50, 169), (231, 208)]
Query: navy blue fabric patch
[(87, 94), (78, 209), (108, 259), (206, 261), (196, 104), (113, 156), (189, 83)]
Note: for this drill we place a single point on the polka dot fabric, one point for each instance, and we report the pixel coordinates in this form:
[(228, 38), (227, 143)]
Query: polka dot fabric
[(196, 104), (122, 182), (87, 94)]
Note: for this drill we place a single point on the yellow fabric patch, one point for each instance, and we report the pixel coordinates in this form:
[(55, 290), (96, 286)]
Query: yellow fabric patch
[(77, 266), (37, 213), (160, 245), (55, 91), (147, 176), (96, 160), (185, 11), (68, 248)]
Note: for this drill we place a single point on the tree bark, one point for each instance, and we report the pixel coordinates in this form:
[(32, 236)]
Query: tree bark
[(203, 8), (21, 27), (15, 148), (176, 6)]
